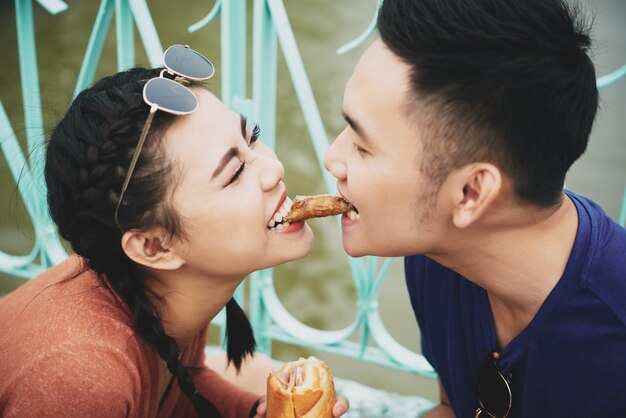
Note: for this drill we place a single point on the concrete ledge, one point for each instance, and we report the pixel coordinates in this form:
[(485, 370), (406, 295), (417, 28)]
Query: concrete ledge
[(367, 402)]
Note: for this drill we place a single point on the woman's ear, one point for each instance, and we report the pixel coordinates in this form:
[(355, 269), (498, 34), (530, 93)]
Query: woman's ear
[(476, 186), (151, 249)]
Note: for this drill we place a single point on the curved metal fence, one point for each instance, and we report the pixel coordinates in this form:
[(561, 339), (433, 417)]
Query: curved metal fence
[(270, 29)]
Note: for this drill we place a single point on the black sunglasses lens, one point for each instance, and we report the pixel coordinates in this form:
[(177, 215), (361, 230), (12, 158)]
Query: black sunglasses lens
[(170, 96), (188, 63), (494, 394)]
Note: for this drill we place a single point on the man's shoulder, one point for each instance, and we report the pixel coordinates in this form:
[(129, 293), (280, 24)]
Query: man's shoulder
[(605, 229), (606, 270), (604, 266)]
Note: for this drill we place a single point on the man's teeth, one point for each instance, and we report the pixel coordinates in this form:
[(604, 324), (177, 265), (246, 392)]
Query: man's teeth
[(277, 220), (353, 215)]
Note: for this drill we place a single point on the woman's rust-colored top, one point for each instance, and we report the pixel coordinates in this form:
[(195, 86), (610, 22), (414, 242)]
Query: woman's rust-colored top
[(68, 349)]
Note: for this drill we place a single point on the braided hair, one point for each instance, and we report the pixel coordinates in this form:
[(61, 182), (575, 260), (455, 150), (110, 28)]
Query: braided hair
[(87, 159)]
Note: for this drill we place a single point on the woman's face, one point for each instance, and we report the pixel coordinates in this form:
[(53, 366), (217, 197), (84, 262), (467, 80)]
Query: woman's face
[(227, 189)]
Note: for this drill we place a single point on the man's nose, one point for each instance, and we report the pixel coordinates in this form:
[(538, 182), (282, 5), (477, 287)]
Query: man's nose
[(334, 160)]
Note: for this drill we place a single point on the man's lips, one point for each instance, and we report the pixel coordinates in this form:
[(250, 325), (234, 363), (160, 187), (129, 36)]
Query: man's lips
[(347, 200)]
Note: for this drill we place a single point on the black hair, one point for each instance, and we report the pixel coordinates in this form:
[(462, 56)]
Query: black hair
[(503, 81), (87, 158)]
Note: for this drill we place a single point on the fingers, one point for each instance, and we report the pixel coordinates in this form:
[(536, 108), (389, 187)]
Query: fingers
[(341, 407), (261, 409)]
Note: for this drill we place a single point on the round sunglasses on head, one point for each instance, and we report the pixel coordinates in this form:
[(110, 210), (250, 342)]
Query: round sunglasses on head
[(169, 95)]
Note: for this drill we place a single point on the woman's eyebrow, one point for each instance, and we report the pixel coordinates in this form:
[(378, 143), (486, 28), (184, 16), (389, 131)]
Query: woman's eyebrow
[(230, 154), (244, 126)]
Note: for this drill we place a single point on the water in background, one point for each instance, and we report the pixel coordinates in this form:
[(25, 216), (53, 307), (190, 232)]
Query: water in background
[(319, 289)]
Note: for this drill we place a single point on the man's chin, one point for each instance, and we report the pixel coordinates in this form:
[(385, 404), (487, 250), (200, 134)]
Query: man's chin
[(359, 250), (354, 250)]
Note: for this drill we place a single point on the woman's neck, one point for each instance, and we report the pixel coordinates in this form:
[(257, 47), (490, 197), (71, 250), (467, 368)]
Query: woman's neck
[(187, 302)]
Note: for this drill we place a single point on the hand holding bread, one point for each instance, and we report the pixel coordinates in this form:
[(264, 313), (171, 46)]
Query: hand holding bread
[(301, 389)]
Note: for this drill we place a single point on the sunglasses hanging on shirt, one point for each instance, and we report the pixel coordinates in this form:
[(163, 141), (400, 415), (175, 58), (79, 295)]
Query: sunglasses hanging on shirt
[(493, 390)]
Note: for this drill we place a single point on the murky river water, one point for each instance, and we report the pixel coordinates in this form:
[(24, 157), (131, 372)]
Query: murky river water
[(318, 290)]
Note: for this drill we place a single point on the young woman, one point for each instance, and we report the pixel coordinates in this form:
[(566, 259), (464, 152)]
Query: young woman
[(168, 209)]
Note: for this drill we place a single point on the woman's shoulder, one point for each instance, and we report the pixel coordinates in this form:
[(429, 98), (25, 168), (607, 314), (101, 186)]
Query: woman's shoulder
[(67, 312), (74, 379), (70, 293)]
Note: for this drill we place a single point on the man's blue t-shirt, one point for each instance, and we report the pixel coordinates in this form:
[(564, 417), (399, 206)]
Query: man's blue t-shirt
[(570, 361)]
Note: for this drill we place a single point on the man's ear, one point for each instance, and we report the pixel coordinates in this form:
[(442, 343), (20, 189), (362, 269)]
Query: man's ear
[(152, 249), (476, 186)]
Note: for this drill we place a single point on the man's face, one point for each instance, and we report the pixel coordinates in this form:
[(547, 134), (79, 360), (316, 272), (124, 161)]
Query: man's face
[(376, 161)]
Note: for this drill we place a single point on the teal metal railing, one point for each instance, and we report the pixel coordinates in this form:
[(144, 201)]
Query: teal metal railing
[(271, 28)]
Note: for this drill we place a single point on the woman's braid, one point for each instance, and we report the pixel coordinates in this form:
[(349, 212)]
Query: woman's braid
[(86, 163)]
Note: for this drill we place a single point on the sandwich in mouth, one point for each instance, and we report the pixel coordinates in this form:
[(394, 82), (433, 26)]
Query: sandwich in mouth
[(307, 207)]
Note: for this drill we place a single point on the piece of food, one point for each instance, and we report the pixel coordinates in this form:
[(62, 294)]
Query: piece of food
[(306, 207), (301, 389)]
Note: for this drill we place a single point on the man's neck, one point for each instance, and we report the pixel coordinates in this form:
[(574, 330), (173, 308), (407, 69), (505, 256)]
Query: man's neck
[(518, 266)]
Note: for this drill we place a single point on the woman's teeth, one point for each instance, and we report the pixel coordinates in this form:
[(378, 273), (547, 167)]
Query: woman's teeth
[(276, 223), (353, 215)]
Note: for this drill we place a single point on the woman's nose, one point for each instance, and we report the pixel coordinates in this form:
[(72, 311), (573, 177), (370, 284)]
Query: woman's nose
[(334, 160), (271, 173)]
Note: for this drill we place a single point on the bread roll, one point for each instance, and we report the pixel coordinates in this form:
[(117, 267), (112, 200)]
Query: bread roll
[(301, 389), (306, 207)]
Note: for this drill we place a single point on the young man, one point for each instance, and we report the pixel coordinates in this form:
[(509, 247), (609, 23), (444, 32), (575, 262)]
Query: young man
[(462, 124)]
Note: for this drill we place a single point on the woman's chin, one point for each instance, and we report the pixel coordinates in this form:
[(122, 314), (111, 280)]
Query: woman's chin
[(296, 249)]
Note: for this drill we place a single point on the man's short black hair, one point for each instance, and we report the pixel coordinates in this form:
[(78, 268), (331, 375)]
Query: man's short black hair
[(503, 81)]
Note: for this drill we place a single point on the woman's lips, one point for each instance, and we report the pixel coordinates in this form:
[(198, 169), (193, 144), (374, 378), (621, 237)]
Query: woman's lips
[(277, 221), (292, 227), (282, 199)]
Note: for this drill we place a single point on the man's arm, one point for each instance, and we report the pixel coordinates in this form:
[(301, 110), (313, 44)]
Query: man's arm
[(443, 410)]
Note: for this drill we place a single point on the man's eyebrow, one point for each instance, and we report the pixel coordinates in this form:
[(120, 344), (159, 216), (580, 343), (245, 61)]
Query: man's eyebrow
[(230, 154), (356, 127)]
